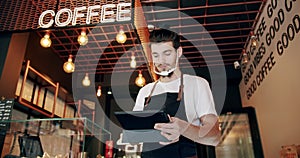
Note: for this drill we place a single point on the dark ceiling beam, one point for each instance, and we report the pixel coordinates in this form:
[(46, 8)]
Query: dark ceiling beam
[(209, 24), (202, 7)]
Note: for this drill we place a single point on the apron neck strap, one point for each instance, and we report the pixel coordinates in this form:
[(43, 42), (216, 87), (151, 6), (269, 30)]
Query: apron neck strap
[(180, 93)]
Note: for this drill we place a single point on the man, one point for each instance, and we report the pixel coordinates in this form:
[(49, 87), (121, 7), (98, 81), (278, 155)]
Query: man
[(186, 98)]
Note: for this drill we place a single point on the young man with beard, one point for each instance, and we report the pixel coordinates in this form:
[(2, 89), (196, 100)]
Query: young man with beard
[(186, 98)]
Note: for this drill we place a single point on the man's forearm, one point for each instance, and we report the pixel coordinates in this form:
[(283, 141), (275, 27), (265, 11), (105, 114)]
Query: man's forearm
[(208, 134)]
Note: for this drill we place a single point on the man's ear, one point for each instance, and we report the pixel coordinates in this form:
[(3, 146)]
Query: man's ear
[(179, 51)]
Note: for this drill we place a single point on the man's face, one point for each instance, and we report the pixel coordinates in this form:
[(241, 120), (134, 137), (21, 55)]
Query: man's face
[(164, 55)]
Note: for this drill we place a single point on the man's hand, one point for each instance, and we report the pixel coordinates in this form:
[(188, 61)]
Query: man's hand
[(171, 130), (208, 133)]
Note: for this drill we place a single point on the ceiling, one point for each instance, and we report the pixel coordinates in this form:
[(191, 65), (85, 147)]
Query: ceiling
[(214, 32)]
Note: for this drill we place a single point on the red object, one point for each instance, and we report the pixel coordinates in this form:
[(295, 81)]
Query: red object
[(109, 149)]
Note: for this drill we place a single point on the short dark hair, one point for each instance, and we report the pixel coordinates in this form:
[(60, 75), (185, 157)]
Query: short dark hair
[(164, 35)]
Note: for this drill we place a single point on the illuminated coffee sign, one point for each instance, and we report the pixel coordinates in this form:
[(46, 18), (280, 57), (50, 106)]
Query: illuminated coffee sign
[(107, 13)]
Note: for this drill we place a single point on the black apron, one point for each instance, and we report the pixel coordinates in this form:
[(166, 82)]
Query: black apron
[(173, 104)]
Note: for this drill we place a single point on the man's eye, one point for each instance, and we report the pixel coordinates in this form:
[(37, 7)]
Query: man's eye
[(155, 55), (167, 53)]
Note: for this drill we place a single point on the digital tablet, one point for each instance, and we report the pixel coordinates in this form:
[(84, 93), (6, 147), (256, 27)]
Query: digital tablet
[(139, 120)]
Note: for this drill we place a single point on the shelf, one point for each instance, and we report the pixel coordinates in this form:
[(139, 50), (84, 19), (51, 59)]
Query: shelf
[(43, 96), (57, 136)]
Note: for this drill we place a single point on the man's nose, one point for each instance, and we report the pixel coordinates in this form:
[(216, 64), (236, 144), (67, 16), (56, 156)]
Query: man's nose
[(161, 59)]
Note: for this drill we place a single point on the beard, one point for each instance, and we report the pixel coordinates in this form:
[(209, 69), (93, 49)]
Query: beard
[(164, 70)]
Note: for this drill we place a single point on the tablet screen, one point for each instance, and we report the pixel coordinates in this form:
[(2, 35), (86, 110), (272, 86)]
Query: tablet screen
[(133, 120)]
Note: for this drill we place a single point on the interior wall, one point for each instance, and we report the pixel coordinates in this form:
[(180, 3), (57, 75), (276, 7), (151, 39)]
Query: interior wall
[(47, 62), (13, 63), (270, 80), (4, 43)]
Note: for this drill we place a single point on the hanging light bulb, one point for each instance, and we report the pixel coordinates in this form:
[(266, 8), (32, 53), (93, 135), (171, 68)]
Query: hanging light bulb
[(69, 66), (46, 41), (253, 40), (82, 38), (133, 61), (140, 80), (99, 91), (86, 80), (121, 36), (245, 59)]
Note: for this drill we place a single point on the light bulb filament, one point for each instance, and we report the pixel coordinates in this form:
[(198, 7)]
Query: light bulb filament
[(140, 80), (133, 62), (121, 36), (46, 41), (99, 91), (69, 66), (86, 80), (82, 38)]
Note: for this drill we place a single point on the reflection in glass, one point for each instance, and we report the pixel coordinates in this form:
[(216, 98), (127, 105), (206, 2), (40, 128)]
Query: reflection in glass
[(236, 139)]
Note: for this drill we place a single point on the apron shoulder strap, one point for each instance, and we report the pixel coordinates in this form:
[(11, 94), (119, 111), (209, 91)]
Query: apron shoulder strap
[(149, 96), (180, 93)]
